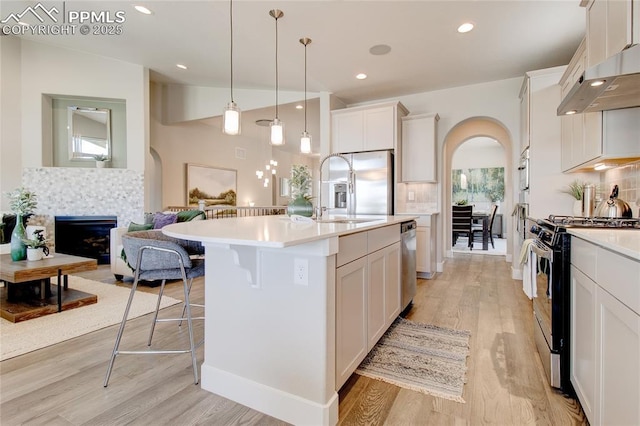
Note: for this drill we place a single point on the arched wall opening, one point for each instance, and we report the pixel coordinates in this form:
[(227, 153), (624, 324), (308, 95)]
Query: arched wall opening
[(460, 133)]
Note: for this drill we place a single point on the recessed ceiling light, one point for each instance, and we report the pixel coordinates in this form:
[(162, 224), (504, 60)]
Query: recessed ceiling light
[(465, 28), (182, 67), (143, 9), (361, 76), (380, 49), (299, 106)]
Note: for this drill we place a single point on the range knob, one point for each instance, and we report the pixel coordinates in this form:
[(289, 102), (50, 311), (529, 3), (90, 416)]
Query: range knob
[(535, 229), (545, 236)]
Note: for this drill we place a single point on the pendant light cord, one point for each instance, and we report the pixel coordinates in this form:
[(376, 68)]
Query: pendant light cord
[(305, 87), (276, 67), (231, 53)]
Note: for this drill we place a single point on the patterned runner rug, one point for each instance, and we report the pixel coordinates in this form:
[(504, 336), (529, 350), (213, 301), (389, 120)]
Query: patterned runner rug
[(420, 357), (22, 337)]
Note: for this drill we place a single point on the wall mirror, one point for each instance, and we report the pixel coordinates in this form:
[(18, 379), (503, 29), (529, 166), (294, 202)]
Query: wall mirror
[(89, 133)]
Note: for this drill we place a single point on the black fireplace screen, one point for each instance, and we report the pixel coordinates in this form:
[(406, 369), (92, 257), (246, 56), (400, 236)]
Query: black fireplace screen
[(86, 236)]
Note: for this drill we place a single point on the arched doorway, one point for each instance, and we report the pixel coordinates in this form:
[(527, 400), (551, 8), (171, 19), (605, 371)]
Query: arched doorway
[(477, 179), (460, 133)]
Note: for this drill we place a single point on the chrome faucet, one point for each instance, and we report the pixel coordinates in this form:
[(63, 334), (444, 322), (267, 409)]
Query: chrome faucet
[(351, 187)]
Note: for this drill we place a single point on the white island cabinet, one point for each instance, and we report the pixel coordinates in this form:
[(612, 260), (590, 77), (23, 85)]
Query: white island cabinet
[(605, 324), (270, 311)]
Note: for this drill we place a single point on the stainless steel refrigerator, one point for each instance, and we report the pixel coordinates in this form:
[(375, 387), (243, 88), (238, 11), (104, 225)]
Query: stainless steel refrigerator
[(373, 183)]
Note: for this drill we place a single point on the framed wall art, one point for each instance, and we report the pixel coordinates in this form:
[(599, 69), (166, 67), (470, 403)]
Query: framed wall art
[(213, 185)]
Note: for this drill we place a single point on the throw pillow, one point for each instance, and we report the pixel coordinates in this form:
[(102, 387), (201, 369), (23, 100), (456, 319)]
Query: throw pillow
[(139, 227), (187, 215), (161, 220)]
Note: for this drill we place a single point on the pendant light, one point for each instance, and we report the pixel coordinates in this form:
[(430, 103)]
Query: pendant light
[(277, 126), (305, 139), (232, 114)]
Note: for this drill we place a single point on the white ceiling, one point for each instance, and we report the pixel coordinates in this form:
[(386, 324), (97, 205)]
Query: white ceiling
[(510, 38)]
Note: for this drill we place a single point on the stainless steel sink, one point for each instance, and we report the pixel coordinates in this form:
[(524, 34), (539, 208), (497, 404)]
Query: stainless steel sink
[(346, 220)]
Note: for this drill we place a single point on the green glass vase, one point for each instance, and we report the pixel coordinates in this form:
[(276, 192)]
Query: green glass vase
[(18, 249), (300, 206)]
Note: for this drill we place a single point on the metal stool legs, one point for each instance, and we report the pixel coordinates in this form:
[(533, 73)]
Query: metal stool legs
[(186, 310)]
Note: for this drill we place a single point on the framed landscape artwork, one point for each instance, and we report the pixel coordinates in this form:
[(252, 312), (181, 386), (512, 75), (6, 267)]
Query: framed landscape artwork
[(214, 185)]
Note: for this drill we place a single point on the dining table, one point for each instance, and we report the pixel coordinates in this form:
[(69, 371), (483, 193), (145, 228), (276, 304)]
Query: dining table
[(482, 216)]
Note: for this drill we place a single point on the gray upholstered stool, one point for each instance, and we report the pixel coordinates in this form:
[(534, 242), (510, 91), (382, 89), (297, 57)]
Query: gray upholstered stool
[(159, 257)]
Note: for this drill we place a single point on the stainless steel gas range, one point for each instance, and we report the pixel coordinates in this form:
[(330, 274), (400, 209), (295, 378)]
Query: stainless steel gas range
[(551, 244)]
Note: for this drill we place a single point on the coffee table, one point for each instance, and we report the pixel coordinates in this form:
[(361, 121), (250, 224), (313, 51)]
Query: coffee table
[(29, 272)]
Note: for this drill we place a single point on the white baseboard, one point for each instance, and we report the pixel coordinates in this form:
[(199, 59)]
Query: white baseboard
[(274, 402), (516, 274)]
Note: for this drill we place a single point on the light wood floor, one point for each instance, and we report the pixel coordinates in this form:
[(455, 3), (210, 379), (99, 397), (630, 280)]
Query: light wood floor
[(62, 384)]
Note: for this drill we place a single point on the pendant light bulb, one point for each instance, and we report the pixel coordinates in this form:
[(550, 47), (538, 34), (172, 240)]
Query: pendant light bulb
[(231, 117), (277, 126), (305, 143), (305, 139), (277, 132)]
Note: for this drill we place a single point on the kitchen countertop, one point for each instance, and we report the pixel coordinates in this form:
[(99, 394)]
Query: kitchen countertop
[(273, 231), (623, 241)]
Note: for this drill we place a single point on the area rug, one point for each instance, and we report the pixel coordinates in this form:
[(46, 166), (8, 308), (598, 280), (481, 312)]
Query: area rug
[(420, 357), (20, 338)]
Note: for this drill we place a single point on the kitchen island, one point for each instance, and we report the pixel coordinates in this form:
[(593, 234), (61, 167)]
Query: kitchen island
[(270, 310)]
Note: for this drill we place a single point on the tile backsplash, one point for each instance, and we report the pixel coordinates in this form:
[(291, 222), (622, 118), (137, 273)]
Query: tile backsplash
[(627, 178), (417, 197)]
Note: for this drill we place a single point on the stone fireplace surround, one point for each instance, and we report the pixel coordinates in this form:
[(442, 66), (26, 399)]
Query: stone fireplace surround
[(76, 191)]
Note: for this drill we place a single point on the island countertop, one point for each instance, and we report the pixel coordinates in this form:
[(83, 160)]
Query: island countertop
[(275, 231)]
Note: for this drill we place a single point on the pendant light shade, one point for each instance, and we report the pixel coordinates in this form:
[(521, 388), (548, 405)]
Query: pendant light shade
[(231, 118), (277, 126), (305, 139), (305, 143)]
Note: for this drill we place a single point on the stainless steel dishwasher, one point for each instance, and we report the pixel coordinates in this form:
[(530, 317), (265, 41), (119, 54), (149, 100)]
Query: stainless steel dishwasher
[(408, 262)]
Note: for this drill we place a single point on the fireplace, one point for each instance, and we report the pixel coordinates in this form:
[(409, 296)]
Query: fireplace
[(86, 236)]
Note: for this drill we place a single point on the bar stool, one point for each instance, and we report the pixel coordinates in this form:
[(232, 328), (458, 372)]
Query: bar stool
[(159, 257)]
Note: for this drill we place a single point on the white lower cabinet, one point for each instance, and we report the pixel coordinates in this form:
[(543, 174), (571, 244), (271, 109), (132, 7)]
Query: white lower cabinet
[(583, 339), (426, 247), (384, 291), (351, 318), (618, 360), (605, 334), (367, 296)]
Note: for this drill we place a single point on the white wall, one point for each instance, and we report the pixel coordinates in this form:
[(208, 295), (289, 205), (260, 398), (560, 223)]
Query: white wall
[(10, 124), (202, 142), (49, 70), (472, 156)]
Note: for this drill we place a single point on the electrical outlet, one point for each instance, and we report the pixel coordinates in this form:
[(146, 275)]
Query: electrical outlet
[(301, 271), (411, 195)]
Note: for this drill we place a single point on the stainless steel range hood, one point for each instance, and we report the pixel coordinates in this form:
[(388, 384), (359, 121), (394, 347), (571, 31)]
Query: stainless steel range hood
[(620, 75)]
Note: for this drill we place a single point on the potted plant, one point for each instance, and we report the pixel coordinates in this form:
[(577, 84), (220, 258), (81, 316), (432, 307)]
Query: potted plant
[(22, 202), (37, 246), (101, 160), (575, 189), (300, 183)]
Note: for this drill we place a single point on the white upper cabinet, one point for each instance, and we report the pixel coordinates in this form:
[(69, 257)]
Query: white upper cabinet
[(419, 148), (366, 128), (612, 25)]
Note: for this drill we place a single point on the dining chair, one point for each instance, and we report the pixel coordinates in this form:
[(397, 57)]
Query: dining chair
[(160, 257), (479, 228), (461, 219)]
